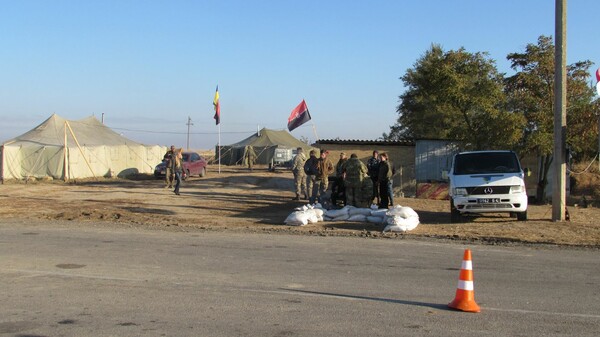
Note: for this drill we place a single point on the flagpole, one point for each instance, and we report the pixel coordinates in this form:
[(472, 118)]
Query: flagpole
[(314, 130), (219, 147)]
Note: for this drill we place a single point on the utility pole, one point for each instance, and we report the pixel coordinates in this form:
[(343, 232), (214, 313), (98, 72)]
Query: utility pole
[(560, 112), (189, 123)]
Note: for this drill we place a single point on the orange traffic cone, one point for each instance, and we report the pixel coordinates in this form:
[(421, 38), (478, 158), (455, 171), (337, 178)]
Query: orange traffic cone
[(465, 295)]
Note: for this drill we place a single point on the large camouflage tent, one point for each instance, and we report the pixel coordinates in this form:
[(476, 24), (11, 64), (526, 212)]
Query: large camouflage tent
[(272, 147), (73, 149)]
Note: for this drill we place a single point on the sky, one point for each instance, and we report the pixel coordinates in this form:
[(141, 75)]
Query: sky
[(147, 67)]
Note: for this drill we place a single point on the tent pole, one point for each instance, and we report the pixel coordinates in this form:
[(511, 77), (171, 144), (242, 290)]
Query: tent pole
[(80, 149), (2, 165), (65, 165)]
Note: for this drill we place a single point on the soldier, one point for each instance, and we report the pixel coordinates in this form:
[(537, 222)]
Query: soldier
[(168, 158), (249, 156), (325, 168), (385, 179), (338, 190), (373, 170), (354, 173), (299, 175), (177, 168), (311, 170)]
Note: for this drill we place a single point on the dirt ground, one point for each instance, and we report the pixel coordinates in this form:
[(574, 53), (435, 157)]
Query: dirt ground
[(259, 201)]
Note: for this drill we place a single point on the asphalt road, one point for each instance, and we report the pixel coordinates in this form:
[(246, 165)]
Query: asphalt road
[(83, 279)]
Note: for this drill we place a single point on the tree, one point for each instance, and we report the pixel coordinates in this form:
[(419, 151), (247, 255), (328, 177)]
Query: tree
[(530, 92), (459, 96)]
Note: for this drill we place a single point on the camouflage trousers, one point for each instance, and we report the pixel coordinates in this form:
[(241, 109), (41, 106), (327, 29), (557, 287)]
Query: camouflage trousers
[(168, 177), (318, 188), (300, 183)]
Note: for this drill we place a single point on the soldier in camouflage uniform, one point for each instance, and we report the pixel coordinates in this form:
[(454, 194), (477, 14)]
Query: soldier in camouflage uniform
[(299, 175), (354, 173)]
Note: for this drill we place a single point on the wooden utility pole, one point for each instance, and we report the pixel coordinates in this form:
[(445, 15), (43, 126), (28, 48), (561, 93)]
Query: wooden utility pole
[(560, 112)]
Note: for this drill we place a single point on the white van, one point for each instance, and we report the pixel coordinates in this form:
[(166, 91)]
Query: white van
[(487, 182)]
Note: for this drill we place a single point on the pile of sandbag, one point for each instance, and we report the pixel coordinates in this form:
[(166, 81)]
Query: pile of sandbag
[(395, 219), (355, 214), (304, 215), (400, 219)]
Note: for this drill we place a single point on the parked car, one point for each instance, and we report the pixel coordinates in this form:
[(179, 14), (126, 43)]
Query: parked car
[(193, 164), (487, 182)]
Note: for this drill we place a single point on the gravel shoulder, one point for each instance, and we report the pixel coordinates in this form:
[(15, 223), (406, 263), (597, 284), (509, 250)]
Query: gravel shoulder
[(259, 201)]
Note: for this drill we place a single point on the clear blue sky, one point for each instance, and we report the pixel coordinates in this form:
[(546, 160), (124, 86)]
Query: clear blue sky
[(148, 65)]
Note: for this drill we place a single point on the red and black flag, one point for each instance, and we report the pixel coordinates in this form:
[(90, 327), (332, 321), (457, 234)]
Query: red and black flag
[(299, 116)]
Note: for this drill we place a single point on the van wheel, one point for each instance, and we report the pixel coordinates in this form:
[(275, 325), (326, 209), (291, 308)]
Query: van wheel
[(455, 216), (522, 216), (203, 172)]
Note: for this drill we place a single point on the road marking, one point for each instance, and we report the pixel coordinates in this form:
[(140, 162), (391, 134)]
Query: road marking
[(522, 311), (364, 298), (33, 273)]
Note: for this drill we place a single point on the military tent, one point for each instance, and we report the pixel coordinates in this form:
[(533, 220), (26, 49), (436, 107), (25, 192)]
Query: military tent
[(66, 149), (272, 147)]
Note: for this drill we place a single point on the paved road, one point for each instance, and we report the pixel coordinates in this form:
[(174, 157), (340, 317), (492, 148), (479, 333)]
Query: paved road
[(83, 279)]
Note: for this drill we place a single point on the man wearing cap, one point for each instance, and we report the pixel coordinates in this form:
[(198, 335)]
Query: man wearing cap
[(169, 174), (311, 170), (324, 169), (299, 175)]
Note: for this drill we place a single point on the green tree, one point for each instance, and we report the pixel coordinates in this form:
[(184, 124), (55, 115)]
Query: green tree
[(530, 92), (459, 96)]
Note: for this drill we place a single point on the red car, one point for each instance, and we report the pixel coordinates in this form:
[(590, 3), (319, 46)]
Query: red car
[(193, 165)]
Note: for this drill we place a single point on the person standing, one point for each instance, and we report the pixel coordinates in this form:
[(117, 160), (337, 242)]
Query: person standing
[(324, 170), (167, 159), (385, 179), (354, 172), (373, 171), (337, 187), (299, 175), (249, 156), (177, 168), (311, 170)]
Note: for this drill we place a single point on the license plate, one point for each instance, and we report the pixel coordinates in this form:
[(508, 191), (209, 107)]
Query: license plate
[(488, 200)]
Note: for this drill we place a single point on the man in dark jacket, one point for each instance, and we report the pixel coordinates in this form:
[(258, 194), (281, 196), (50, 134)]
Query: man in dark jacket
[(169, 174), (311, 170), (373, 172), (385, 179)]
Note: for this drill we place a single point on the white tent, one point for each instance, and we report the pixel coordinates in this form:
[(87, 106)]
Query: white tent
[(65, 149)]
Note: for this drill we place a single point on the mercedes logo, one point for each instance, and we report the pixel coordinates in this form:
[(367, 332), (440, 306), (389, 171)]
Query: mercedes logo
[(488, 190)]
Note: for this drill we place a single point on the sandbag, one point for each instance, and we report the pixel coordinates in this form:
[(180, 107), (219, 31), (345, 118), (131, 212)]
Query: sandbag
[(334, 213), (342, 217), (375, 219), (358, 218), (297, 218), (361, 211), (379, 212), (398, 224), (404, 212)]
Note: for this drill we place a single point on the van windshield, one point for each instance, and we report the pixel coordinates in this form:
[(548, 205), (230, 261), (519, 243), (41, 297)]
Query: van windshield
[(486, 162)]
